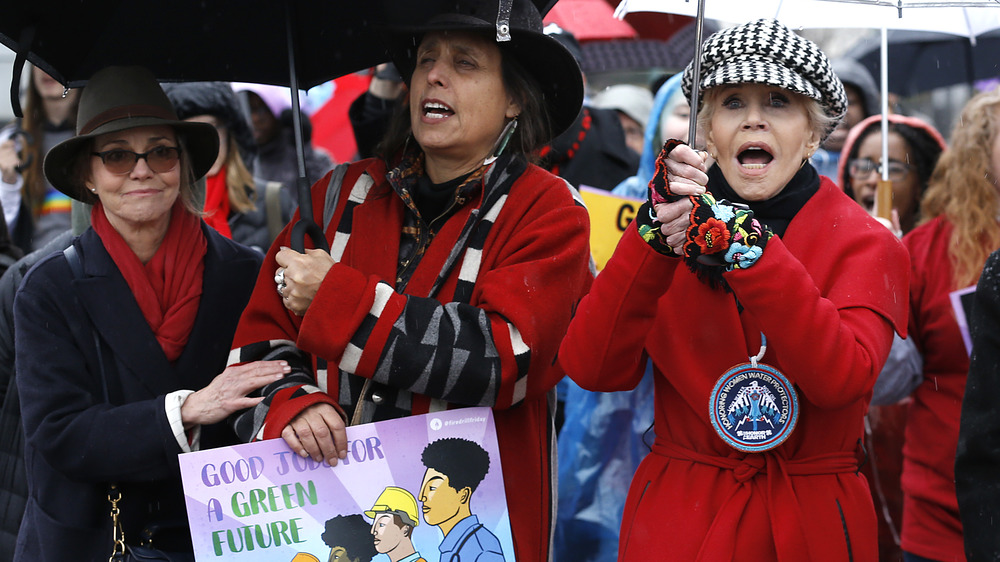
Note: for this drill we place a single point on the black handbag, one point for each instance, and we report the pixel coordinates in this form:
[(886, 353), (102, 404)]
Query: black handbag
[(121, 551)]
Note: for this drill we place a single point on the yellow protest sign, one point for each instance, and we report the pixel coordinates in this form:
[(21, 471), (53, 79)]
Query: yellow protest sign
[(609, 216)]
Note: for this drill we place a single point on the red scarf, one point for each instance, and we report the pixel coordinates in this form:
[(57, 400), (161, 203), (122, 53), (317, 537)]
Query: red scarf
[(217, 203), (168, 288)]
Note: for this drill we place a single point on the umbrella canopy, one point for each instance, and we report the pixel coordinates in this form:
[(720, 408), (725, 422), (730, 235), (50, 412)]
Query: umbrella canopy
[(967, 18), (920, 61), (956, 17), (296, 43)]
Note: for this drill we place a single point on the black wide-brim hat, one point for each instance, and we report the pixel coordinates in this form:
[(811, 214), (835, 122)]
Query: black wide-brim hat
[(117, 98), (544, 58)]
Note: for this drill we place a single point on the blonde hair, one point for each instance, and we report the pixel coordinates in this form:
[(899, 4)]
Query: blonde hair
[(239, 180), (963, 188)]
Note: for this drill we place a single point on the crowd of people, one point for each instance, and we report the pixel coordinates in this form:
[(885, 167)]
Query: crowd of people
[(771, 366)]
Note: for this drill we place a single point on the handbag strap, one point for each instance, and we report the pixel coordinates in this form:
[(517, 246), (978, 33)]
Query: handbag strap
[(114, 492)]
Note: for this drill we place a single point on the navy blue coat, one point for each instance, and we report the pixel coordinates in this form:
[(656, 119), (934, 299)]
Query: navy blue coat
[(75, 442)]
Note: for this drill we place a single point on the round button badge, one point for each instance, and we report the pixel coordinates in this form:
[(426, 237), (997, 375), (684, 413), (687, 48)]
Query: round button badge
[(753, 407)]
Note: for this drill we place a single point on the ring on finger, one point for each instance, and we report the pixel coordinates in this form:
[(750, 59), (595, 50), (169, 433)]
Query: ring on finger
[(281, 289), (279, 277)]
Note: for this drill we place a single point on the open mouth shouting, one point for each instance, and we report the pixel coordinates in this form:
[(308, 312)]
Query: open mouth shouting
[(754, 156), (436, 110)]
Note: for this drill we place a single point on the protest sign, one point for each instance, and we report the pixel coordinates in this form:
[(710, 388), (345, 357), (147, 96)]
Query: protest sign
[(962, 301), (262, 502), (609, 217)]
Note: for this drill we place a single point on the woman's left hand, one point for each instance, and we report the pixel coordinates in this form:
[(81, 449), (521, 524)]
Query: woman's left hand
[(227, 393), (303, 274)]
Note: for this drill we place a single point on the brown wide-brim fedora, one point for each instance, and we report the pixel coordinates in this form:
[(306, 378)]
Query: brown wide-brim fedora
[(548, 61), (117, 98)]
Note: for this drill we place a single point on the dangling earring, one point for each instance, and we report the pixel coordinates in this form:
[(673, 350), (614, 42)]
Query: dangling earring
[(501, 144)]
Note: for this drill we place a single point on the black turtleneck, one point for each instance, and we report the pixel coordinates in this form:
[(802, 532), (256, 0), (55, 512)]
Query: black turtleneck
[(433, 199)]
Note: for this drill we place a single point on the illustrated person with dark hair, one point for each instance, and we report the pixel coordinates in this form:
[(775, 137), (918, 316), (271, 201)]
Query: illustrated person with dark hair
[(349, 539), (394, 516), (455, 467), (766, 300), (454, 265)]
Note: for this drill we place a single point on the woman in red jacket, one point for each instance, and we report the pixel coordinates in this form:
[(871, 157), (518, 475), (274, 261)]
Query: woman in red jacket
[(767, 300), (455, 264), (959, 231)]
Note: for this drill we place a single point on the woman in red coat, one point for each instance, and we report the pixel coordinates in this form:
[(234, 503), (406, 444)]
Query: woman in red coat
[(455, 264), (948, 251), (767, 304)]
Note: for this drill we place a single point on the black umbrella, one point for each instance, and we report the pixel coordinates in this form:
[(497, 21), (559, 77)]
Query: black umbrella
[(295, 43), (921, 61)]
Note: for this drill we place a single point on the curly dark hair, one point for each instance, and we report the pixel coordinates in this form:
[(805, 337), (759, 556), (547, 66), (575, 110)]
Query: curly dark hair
[(353, 533), (464, 462)]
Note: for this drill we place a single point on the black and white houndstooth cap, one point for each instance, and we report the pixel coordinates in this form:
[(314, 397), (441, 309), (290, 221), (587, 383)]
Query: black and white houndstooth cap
[(767, 52)]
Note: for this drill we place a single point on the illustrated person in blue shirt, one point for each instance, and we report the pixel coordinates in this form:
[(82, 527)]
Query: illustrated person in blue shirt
[(455, 467)]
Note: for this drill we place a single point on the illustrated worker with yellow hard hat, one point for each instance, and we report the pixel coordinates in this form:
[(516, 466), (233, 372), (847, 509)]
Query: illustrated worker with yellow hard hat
[(394, 516)]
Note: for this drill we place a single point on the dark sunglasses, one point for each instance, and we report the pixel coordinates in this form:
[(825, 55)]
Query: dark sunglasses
[(859, 168), (161, 159)]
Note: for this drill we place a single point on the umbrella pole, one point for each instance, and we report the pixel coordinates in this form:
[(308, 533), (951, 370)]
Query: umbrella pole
[(883, 190), (306, 223), (696, 72)]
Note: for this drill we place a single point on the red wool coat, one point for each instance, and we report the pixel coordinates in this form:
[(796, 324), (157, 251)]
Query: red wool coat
[(532, 270), (828, 297)]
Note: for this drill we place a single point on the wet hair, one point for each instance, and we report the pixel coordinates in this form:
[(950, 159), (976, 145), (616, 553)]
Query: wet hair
[(534, 128), (963, 188), (352, 533), (464, 462), (923, 149)]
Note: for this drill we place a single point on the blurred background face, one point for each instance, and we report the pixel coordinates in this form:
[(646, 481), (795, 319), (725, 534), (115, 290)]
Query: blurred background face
[(633, 132), (855, 114), (674, 122), (906, 188), (265, 124)]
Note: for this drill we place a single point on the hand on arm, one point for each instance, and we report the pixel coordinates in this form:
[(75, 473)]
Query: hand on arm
[(227, 393)]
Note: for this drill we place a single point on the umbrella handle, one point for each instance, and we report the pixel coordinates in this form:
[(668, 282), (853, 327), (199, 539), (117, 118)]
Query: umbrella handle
[(883, 199), (305, 226), (23, 46), (696, 74)]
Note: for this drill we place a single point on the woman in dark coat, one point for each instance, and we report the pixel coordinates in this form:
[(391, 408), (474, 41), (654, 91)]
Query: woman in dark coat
[(114, 332)]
